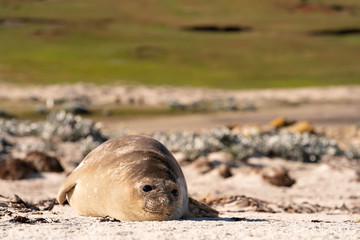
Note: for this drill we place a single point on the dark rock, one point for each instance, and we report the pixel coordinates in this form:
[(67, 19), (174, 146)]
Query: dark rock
[(76, 108), (224, 171), (13, 169), (203, 165), (4, 114), (277, 176), (43, 162)]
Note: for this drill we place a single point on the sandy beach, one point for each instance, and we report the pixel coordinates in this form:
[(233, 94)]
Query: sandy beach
[(323, 203)]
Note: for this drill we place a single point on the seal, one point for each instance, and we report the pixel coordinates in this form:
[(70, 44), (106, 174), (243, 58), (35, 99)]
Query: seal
[(131, 178)]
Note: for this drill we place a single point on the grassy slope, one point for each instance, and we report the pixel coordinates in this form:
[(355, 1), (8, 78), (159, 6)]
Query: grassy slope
[(141, 42)]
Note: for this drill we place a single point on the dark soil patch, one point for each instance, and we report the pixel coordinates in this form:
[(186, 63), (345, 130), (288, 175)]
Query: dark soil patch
[(304, 6), (336, 32), (14, 21), (218, 29)]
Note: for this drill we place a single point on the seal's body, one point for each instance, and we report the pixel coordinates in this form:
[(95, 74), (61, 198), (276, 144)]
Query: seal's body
[(131, 178)]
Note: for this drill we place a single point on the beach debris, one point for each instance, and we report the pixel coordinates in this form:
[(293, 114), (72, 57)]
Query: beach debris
[(239, 203), (305, 207), (20, 205), (21, 219), (108, 219), (319, 221)]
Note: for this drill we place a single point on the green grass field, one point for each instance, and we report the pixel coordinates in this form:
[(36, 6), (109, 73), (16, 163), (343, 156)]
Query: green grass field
[(144, 42)]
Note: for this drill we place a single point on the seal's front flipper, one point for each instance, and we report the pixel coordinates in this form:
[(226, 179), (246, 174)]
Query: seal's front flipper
[(198, 209), (65, 188)]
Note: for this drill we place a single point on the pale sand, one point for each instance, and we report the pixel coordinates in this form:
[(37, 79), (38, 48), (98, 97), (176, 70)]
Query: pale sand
[(334, 187), (100, 95), (254, 226), (316, 184)]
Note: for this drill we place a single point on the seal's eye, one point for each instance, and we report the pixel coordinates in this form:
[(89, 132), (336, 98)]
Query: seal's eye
[(175, 192), (147, 188)]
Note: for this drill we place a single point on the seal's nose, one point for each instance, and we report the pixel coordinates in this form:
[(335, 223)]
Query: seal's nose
[(165, 199), (159, 202)]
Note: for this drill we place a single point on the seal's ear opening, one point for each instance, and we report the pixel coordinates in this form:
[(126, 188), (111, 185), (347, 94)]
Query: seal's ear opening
[(198, 209)]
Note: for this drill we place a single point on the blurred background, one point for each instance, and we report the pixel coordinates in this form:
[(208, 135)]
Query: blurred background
[(218, 44), (231, 45)]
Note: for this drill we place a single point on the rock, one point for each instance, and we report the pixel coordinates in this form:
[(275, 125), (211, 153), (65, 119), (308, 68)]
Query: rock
[(280, 122), (14, 169), (5, 146), (224, 171), (301, 127), (4, 114), (277, 176), (76, 108), (43, 162), (203, 165)]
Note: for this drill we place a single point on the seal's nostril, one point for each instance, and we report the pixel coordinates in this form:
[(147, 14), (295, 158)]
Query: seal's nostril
[(147, 188), (175, 192)]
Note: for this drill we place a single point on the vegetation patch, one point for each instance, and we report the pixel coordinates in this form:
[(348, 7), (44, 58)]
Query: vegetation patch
[(246, 44)]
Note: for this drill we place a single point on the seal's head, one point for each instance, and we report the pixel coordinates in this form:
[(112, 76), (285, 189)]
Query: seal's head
[(157, 188), (159, 199)]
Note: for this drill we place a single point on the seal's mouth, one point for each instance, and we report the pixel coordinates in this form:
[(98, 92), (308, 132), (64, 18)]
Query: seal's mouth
[(165, 213), (157, 215)]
